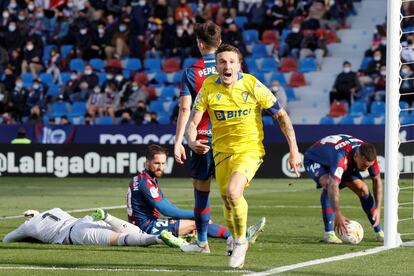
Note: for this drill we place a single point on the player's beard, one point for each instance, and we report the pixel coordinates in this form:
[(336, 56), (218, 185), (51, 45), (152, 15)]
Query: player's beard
[(158, 173)]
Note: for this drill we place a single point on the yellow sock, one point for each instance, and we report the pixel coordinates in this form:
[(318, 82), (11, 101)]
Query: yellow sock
[(228, 216), (239, 209)]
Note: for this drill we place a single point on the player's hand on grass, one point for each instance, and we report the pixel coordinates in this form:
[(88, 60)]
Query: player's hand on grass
[(376, 216), (179, 153), (340, 223), (199, 146), (295, 162)]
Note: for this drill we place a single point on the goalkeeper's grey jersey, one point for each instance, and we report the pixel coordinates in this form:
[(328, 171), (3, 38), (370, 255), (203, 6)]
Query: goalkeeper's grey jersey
[(51, 226)]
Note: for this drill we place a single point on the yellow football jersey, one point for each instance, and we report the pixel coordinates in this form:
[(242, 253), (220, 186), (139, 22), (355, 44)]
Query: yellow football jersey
[(235, 113)]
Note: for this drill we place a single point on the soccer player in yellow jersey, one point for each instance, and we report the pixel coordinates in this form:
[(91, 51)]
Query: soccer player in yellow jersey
[(234, 102)]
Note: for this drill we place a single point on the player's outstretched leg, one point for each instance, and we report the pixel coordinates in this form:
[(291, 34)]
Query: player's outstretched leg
[(119, 224), (254, 231), (172, 241), (368, 204), (99, 214), (328, 219)]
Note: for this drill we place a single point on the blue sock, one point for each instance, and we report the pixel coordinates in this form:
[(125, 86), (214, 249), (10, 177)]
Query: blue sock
[(327, 214), (218, 231), (368, 204), (202, 213)]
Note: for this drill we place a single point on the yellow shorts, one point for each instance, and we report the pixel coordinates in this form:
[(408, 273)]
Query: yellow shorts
[(246, 163)]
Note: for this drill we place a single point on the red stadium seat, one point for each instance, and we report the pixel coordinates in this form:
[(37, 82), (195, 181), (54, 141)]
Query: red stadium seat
[(141, 78), (338, 109), (288, 65), (151, 92), (269, 37), (114, 64), (331, 37), (171, 65), (297, 79)]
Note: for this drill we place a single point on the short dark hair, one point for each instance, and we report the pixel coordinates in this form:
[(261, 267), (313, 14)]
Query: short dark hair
[(229, 48), (153, 149), (368, 151), (209, 33)]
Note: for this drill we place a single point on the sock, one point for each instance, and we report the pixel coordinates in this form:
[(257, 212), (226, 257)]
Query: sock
[(239, 209), (218, 231), (228, 216), (202, 214), (122, 225), (141, 239), (368, 205), (327, 214)]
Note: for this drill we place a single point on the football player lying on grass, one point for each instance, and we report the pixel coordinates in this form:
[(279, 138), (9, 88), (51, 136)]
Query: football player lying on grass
[(146, 201), (56, 226)]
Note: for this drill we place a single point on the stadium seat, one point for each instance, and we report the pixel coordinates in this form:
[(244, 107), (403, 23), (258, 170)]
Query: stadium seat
[(331, 36), (367, 91), (269, 37), (269, 65), (259, 51), (251, 64), (174, 78), (338, 109), (46, 52), (308, 64), (77, 65), (65, 50), (346, 120), (157, 106), (141, 77), (288, 64), (404, 107), (97, 64), (164, 119), (327, 121), (65, 77), (279, 77), (407, 120), (297, 79), (260, 76), (160, 77), (152, 65), (78, 109), (290, 93), (27, 79), (46, 78), (101, 78), (53, 90), (267, 120), (132, 65), (240, 21), (104, 120), (285, 33), (59, 109), (189, 61), (365, 62), (358, 109), (377, 108), (168, 92), (250, 36), (151, 92), (368, 120), (113, 64), (171, 65)]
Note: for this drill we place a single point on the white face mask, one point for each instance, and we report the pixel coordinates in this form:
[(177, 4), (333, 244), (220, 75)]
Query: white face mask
[(383, 73), (135, 87), (88, 72), (295, 29), (101, 31), (275, 88), (141, 3), (83, 31), (180, 32), (36, 86), (377, 58), (12, 5), (30, 47), (347, 69), (109, 76), (30, 7), (12, 28), (19, 84), (119, 78), (97, 90), (5, 15), (73, 77)]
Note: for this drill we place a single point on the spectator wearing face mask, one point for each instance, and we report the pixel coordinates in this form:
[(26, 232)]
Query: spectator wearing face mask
[(36, 96), (139, 113), (293, 42), (32, 60), (95, 100), (373, 68), (110, 103), (407, 52), (407, 84), (183, 11), (85, 85), (234, 37), (18, 99), (379, 85), (12, 38), (136, 93), (54, 66), (118, 46), (346, 85), (83, 44)]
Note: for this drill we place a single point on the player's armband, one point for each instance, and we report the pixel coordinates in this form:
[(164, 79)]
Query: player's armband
[(274, 109)]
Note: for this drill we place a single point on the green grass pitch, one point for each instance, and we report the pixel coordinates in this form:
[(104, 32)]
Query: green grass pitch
[(292, 234)]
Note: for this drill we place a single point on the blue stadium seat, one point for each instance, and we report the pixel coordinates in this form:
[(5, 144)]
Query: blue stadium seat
[(240, 21), (260, 76), (189, 61), (404, 106), (27, 79), (77, 64), (308, 64), (368, 120), (378, 108), (285, 33), (168, 92), (152, 65), (346, 120), (327, 121), (160, 77), (97, 64), (279, 77), (407, 120), (65, 50), (65, 77), (367, 91), (164, 119), (251, 64), (259, 51), (174, 78), (358, 109), (59, 109), (46, 52), (46, 78), (101, 78), (364, 63), (133, 64), (157, 106), (78, 109), (250, 36), (290, 93), (269, 65), (267, 120), (104, 120), (54, 90)]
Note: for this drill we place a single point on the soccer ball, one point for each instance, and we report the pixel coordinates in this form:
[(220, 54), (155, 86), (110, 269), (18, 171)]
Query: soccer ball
[(355, 233)]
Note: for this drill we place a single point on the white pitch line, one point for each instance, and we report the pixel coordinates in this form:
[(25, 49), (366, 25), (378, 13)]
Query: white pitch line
[(116, 269), (320, 261)]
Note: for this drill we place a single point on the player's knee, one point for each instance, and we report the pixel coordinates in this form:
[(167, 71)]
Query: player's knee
[(233, 195), (363, 190)]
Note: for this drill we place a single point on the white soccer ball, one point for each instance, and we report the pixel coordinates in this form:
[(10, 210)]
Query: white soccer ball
[(355, 233)]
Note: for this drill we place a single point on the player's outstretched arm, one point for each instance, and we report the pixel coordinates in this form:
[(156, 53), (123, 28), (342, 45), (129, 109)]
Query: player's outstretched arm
[(198, 146), (16, 235), (286, 126), (182, 120), (378, 194)]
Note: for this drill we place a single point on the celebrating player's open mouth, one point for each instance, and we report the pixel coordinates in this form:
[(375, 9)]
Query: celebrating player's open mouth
[(228, 65)]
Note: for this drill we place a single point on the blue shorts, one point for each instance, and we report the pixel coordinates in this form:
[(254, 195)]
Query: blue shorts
[(202, 165), (155, 227), (316, 170)]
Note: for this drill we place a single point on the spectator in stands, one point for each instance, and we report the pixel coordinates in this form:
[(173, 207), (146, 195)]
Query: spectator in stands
[(313, 46), (257, 15), (181, 45), (116, 7), (83, 43), (379, 85), (229, 7), (279, 17), (234, 37), (12, 37), (4, 59), (110, 103), (161, 10), (346, 85), (61, 29), (54, 66), (407, 84), (35, 116), (140, 112), (4, 97), (21, 137), (135, 93), (36, 96), (15, 62), (6, 119), (18, 100), (373, 68), (407, 52), (94, 101), (126, 118), (120, 82), (64, 121), (293, 42), (118, 46), (32, 59), (9, 80), (280, 93), (88, 120), (183, 11), (100, 41)]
